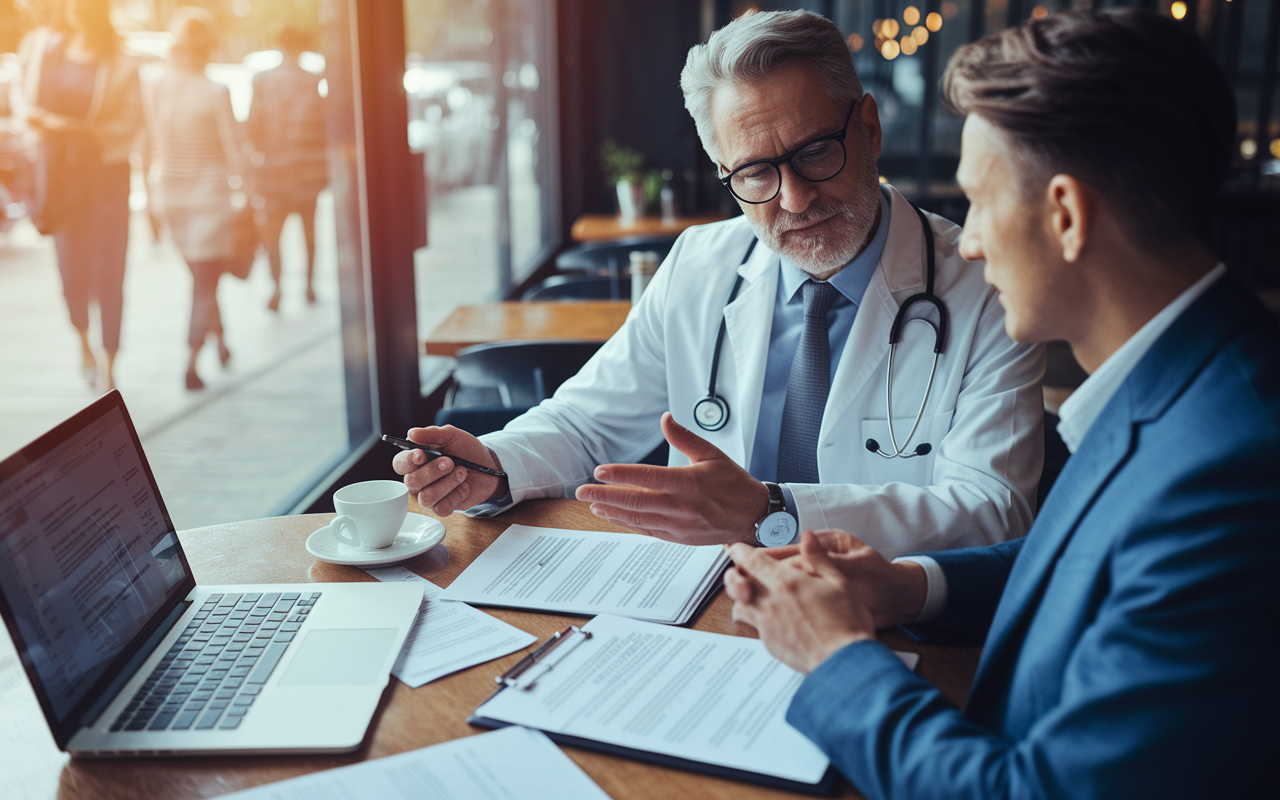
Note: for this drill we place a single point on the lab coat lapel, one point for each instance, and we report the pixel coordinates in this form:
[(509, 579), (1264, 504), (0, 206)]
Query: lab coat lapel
[(748, 322), (901, 270)]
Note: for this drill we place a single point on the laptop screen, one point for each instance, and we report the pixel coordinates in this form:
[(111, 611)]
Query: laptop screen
[(89, 561)]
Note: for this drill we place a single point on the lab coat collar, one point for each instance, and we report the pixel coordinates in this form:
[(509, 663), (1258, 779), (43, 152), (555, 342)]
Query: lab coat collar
[(900, 270)]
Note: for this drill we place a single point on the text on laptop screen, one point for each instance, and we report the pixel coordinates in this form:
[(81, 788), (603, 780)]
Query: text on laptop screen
[(86, 557)]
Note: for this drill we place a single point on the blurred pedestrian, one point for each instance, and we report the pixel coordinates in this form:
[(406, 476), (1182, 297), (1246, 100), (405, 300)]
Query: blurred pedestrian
[(81, 93), (196, 166), (286, 124)]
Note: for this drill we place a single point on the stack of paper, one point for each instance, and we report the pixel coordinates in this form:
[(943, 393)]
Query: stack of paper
[(592, 572)]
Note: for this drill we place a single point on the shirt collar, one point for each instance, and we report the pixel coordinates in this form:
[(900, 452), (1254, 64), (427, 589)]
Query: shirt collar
[(853, 278), (1079, 411)]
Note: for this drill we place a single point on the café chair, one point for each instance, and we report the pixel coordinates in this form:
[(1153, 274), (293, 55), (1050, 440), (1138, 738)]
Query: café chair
[(578, 287), (611, 258), (515, 374)]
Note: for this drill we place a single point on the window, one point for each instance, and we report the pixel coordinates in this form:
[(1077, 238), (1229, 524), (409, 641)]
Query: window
[(289, 395), (480, 86)]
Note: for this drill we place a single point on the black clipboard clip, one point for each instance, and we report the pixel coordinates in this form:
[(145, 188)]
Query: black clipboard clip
[(533, 666)]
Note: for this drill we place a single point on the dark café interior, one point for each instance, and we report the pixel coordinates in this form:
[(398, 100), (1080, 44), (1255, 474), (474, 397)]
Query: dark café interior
[(536, 274)]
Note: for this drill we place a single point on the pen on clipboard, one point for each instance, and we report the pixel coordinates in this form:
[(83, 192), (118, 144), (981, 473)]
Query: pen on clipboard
[(405, 444), (533, 666)]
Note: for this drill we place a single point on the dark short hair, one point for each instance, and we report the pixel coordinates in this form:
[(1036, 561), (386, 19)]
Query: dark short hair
[(1130, 102)]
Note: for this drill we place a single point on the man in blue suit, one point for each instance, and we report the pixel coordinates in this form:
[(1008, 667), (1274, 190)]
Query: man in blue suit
[(1130, 638)]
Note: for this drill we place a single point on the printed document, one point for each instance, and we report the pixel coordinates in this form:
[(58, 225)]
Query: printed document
[(691, 694), (448, 636), (592, 572), (510, 764)]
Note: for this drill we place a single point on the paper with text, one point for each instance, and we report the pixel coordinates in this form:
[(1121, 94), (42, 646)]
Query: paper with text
[(691, 694), (448, 636), (591, 572), (509, 764)]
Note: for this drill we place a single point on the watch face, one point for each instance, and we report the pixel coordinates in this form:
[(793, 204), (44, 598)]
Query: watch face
[(777, 529)]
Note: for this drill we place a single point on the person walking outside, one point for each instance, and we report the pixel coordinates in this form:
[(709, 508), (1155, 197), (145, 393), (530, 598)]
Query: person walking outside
[(286, 124), (196, 164), (80, 91)]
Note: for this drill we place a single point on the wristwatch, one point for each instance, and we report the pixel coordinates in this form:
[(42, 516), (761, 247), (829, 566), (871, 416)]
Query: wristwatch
[(778, 527)]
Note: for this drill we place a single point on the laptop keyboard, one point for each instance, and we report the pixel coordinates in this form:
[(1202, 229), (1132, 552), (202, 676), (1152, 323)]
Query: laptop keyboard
[(215, 670)]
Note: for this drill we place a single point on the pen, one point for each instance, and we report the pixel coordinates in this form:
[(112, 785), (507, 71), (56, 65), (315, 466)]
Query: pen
[(405, 444)]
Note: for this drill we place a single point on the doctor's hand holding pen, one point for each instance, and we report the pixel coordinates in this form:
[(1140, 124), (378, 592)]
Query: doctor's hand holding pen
[(710, 501), (467, 475)]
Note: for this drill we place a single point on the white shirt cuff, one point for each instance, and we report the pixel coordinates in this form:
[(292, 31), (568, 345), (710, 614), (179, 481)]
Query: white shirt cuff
[(935, 598)]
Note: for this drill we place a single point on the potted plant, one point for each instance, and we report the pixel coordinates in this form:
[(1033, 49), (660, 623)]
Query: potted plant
[(624, 169)]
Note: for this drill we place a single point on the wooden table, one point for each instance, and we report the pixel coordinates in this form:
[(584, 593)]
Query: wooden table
[(583, 320), (605, 228), (273, 550)]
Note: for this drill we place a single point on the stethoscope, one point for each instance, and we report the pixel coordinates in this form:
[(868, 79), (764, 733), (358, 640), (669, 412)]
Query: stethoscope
[(711, 413)]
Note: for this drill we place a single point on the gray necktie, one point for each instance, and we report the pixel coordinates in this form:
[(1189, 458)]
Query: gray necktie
[(807, 390)]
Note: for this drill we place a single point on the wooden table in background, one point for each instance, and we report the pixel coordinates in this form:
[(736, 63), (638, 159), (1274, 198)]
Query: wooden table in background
[(274, 551), (582, 320), (605, 228)]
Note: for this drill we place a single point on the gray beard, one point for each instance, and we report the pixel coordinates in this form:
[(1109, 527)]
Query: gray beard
[(822, 252)]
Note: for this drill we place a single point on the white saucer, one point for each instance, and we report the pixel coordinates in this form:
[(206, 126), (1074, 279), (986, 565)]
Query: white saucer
[(417, 535)]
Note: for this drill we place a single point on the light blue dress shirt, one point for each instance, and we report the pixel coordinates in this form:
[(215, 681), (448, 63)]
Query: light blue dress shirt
[(784, 338)]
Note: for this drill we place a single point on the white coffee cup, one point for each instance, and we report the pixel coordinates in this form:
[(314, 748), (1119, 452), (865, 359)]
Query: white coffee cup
[(370, 513)]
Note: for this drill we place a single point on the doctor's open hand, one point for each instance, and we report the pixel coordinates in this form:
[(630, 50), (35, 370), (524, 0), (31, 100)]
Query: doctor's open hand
[(710, 501), (810, 600), (441, 485)]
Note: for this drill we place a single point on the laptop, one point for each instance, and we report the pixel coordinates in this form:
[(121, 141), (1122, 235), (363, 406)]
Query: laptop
[(128, 656)]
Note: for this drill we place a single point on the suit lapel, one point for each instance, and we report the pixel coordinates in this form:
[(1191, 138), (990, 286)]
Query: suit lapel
[(1163, 374), (1104, 449)]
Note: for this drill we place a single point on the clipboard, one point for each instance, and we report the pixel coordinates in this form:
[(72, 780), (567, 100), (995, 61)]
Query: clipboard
[(524, 676)]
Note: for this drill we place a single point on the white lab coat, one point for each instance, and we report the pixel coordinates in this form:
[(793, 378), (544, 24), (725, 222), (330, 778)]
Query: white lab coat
[(984, 417)]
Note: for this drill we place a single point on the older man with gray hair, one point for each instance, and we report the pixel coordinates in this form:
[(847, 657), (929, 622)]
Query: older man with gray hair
[(825, 360)]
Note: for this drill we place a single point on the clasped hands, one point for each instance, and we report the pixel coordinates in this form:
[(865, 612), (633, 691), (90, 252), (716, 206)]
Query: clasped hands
[(809, 600)]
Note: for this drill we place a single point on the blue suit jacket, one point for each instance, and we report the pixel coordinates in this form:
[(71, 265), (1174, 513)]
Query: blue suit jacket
[(1131, 636)]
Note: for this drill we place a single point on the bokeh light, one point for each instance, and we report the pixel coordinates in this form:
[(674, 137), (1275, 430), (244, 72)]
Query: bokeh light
[(911, 15), (855, 42), (908, 46), (920, 35), (933, 22), (890, 49), (889, 28), (1178, 9)]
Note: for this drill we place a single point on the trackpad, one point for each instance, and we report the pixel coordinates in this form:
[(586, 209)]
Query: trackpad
[(340, 658)]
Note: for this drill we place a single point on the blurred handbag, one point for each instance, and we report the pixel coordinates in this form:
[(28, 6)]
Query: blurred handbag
[(244, 238)]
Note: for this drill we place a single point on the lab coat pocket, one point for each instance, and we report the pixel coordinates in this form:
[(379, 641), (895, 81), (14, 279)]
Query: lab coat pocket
[(916, 470)]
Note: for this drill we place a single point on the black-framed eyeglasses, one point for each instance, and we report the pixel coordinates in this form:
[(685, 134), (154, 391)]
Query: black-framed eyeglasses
[(816, 161)]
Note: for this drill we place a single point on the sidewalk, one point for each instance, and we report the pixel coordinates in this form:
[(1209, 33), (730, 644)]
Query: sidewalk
[(233, 451)]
